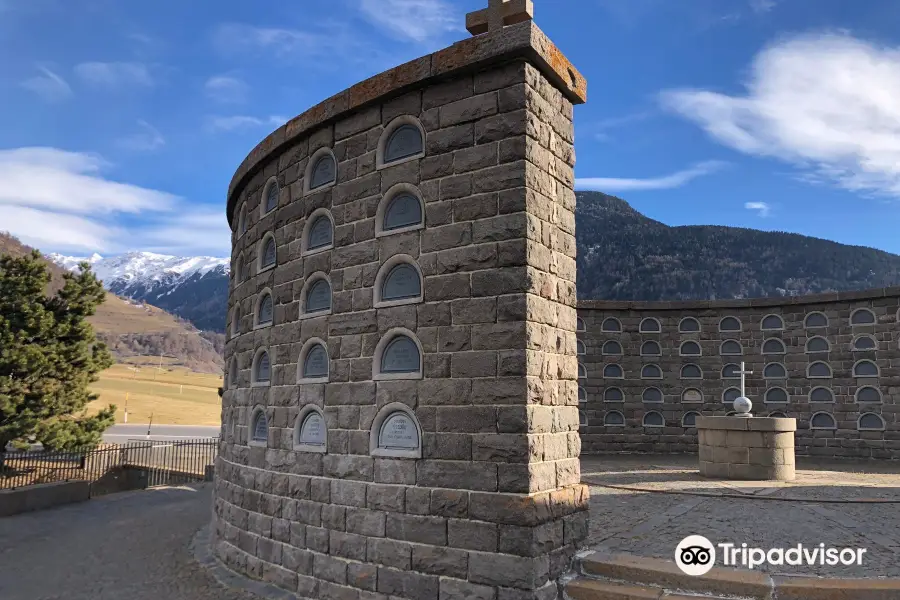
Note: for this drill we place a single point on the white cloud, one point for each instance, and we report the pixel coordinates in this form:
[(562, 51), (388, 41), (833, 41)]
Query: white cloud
[(601, 128), (115, 74), (611, 184), (58, 200), (825, 103), (223, 88), (242, 122), (147, 139), (417, 20), (762, 6), (48, 85), (240, 39), (762, 208)]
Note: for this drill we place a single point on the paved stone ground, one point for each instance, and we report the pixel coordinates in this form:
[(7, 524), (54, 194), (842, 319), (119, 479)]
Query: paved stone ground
[(138, 545), (827, 505), (129, 546)]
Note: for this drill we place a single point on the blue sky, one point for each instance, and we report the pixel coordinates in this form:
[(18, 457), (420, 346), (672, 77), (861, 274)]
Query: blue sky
[(123, 122)]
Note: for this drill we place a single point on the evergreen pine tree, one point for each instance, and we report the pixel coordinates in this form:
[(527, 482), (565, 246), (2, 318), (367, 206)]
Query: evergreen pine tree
[(49, 356)]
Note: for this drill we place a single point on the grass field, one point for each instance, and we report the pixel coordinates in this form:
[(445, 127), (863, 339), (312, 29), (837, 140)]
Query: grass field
[(173, 395)]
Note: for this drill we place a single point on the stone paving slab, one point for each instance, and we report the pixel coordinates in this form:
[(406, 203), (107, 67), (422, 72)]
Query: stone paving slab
[(828, 507), (129, 546)]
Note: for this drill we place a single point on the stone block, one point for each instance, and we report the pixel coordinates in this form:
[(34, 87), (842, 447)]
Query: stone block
[(419, 529), (437, 560), (457, 589), (472, 535), (389, 553), (407, 584), (507, 570)]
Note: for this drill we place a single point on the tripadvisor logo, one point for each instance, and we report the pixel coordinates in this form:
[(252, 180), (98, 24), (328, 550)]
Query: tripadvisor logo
[(696, 555)]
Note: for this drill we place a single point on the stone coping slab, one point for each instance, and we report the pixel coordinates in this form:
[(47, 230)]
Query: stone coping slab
[(714, 305), (522, 40), (665, 575), (747, 424)]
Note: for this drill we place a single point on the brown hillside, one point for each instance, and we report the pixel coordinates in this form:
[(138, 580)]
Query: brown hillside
[(131, 328)]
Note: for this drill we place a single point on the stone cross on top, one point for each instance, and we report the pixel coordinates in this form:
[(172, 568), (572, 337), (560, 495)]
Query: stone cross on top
[(498, 15), (742, 373)]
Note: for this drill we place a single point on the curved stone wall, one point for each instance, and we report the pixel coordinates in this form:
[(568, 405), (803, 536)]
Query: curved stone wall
[(832, 361), (400, 415)]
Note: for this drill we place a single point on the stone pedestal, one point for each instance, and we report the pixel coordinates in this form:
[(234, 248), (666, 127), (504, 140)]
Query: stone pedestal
[(755, 448)]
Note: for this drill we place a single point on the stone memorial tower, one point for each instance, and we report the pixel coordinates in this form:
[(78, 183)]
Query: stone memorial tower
[(400, 417)]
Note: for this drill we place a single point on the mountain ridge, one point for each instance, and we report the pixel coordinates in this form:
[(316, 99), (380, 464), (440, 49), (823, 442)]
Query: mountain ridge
[(622, 255), (136, 328)]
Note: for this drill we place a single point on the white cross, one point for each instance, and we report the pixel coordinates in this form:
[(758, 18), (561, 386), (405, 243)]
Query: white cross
[(498, 15), (743, 372)]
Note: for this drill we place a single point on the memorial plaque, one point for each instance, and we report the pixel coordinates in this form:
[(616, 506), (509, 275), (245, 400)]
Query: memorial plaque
[(265, 309), (730, 371), (614, 418), (269, 253), (690, 349), (691, 372), (318, 298), (402, 282), (398, 432), (582, 395), (690, 420), (272, 197), (692, 396), (862, 343), (870, 421), (865, 368), (729, 324), (263, 368), (689, 324), (405, 141), (819, 369), (320, 233), (651, 372), (652, 395), (866, 394), (260, 428), (611, 371), (323, 173), (400, 356), (730, 395), (731, 347), (403, 210), (774, 371), (312, 430), (816, 320), (316, 364)]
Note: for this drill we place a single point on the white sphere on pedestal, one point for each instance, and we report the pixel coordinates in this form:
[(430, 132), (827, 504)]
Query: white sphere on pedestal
[(742, 405)]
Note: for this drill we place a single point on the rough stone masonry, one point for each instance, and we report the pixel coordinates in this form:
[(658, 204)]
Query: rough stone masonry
[(449, 464)]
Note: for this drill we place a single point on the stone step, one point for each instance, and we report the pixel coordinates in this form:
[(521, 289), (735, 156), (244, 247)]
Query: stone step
[(614, 576), (592, 589), (665, 574)]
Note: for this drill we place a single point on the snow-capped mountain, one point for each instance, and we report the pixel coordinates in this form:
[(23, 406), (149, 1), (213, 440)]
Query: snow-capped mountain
[(192, 287)]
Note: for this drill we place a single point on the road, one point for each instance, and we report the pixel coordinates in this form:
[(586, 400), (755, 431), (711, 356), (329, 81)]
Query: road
[(121, 433), (128, 546)]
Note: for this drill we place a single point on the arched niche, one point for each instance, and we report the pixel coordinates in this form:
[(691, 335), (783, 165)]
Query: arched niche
[(398, 355), (321, 171), (399, 281), (258, 427), (313, 365), (401, 141), (401, 210), (316, 296), (318, 232), (311, 430), (396, 433)]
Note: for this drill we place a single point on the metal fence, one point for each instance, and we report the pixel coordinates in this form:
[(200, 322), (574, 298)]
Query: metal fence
[(161, 463)]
